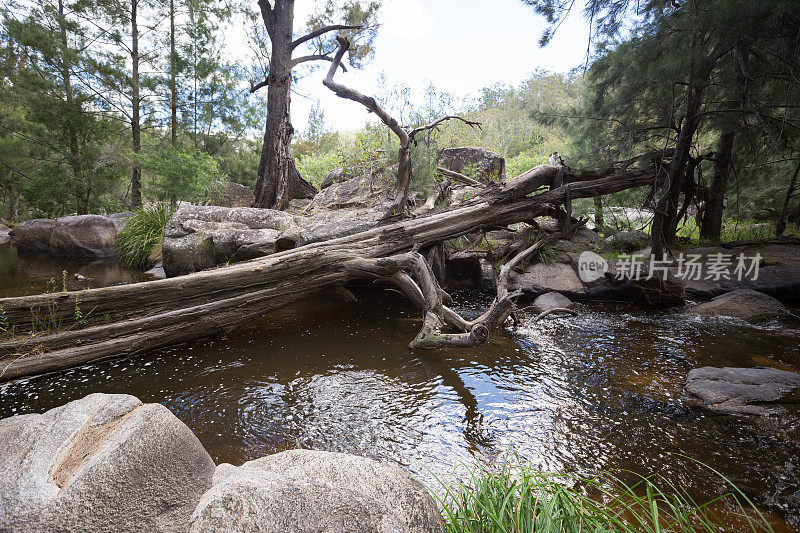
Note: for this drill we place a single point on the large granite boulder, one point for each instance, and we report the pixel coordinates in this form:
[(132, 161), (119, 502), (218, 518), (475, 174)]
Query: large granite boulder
[(337, 175), (628, 241), (744, 304), (106, 462), (478, 163), (83, 236), (232, 195), (303, 491), (4, 234), (201, 237), (33, 235), (359, 192), (751, 391), (583, 240), (541, 278), (120, 220), (778, 272)]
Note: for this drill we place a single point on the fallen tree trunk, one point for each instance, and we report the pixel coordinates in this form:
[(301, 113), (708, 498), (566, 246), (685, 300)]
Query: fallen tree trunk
[(57, 330)]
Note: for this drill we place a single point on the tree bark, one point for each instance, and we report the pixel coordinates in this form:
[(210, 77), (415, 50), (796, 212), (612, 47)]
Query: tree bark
[(279, 181), (173, 75), (136, 132), (132, 319), (711, 227), (74, 147), (780, 227), (666, 212)]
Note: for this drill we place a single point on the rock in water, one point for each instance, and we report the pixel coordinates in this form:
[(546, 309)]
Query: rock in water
[(34, 235), (552, 300), (304, 491), (745, 304), (477, 163), (103, 463), (83, 236), (754, 391)]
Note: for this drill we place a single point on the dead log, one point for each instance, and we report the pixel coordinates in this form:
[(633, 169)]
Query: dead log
[(58, 330)]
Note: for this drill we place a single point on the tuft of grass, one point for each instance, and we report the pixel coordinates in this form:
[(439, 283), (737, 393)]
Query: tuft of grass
[(139, 243), (517, 499)]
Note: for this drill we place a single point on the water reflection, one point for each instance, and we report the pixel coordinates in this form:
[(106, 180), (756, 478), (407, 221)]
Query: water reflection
[(24, 273), (599, 391)]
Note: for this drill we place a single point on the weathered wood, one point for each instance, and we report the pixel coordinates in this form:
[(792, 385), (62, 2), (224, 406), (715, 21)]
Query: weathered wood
[(132, 319)]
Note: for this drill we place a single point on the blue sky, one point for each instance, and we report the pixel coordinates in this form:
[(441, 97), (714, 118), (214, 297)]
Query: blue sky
[(459, 45)]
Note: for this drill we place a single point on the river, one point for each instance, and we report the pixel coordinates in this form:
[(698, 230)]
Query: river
[(600, 391)]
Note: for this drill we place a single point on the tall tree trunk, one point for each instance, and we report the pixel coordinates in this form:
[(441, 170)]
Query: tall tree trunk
[(173, 86), (711, 228), (14, 214), (136, 133), (279, 180), (66, 78), (598, 213), (780, 227), (666, 213)]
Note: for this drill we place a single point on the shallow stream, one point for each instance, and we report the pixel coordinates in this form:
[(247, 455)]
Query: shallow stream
[(600, 391)]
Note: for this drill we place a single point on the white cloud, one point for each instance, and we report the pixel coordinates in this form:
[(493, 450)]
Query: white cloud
[(405, 20)]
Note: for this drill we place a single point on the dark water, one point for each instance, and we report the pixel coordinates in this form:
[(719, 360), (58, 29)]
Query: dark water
[(24, 273), (595, 392)]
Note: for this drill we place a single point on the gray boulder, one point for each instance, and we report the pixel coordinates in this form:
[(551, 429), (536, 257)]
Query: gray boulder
[(334, 227), (304, 491), (120, 219), (540, 278), (745, 304), (552, 300), (4, 234), (83, 236), (201, 237), (157, 272), (363, 191), (34, 235), (106, 462), (753, 391), (478, 163), (628, 241), (337, 175), (584, 239), (232, 195), (778, 273)]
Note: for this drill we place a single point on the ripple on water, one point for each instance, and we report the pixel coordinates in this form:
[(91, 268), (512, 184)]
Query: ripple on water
[(602, 390)]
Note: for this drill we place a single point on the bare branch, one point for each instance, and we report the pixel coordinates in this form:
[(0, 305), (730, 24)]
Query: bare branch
[(367, 101), (256, 86), (314, 57), (322, 31), (459, 177), (436, 123)]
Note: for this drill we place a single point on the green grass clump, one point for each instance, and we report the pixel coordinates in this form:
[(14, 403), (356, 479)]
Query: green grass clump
[(139, 243), (519, 499)]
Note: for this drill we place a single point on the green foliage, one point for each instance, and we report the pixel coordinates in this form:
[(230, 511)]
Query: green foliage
[(519, 499), (174, 174), (364, 154), (314, 167), (139, 243)]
